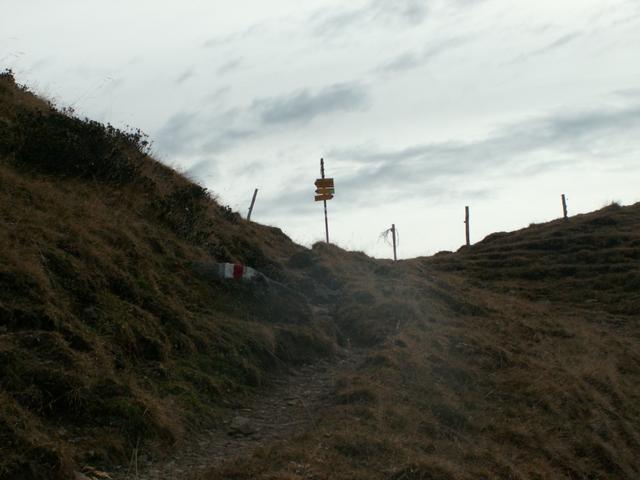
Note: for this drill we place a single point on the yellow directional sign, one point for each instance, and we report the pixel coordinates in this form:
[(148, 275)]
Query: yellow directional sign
[(320, 198), (324, 190), (324, 183)]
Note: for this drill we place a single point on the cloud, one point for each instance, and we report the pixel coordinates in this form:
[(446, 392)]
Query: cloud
[(184, 76), (212, 131), (229, 66), (629, 93), (404, 61), (533, 146), (335, 21), (217, 96), (177, 133), (553, 45), (202, 169), (225, 40), (224, 138), (298, 202), (410, 60), (196, 133), (304, 106), (412, 12), (433, 171)]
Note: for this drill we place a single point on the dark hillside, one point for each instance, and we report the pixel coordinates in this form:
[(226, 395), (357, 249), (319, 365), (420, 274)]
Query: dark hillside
[(106, 327), (516, 358)]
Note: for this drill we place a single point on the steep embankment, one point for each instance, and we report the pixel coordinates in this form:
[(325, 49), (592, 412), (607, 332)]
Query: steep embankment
[(515, 358), (110, 332)]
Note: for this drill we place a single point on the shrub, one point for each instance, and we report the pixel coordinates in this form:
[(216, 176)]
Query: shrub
[(60, 144)]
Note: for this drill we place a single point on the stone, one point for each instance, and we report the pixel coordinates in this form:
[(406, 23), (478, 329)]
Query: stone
[(242, 425)]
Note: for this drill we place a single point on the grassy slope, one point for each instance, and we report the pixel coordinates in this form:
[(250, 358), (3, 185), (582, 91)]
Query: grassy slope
[(106, 328), (515, 358)]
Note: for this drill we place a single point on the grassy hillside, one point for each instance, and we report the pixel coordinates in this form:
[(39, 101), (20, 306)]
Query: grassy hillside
[(592, 260), (107, 328), (515, 358)]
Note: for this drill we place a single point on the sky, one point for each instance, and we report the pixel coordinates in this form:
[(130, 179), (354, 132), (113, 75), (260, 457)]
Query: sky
[(419, 107)]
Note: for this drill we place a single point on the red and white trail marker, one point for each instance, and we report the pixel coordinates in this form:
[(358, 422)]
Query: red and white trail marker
[(237, 271)]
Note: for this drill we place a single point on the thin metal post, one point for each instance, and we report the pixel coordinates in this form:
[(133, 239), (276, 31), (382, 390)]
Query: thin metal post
[(564, 207), (393, 233), (253, 201), (326, 219), (466, 225)]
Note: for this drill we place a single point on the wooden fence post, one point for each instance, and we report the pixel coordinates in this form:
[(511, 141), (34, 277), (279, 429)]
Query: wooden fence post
[(564, 207), (393, 233), (466, 225), (253, 201)]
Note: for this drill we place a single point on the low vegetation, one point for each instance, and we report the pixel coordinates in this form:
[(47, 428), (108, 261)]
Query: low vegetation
[(514, 358), (109, 336)]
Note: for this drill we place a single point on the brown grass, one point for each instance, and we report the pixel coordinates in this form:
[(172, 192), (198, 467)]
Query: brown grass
[(477, 372), (515, 358), (107, 333)]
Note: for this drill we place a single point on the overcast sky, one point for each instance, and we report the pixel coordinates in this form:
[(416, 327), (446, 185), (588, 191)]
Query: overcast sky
[(418, 107)]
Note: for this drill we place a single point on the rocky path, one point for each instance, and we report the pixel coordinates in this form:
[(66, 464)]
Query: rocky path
[(285, 408)]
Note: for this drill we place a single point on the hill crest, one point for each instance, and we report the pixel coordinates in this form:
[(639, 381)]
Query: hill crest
[(514, 358)]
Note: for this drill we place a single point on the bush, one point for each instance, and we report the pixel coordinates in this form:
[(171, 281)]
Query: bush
[(60, 144)]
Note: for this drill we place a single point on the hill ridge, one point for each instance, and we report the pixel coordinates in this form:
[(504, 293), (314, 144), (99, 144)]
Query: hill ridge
[(514, 358)]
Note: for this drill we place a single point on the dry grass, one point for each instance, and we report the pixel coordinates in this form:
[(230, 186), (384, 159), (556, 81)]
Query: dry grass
[(477, 372), (516, 358), (109, 339)]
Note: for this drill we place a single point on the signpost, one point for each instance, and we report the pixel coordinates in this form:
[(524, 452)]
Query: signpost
[(324, 191)]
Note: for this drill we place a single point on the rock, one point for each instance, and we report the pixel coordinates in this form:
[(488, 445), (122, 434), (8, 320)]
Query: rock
[(241, 425)]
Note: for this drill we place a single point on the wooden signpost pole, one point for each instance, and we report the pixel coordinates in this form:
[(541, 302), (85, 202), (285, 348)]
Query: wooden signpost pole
[(324, 191), (326, 219), (564, 207)]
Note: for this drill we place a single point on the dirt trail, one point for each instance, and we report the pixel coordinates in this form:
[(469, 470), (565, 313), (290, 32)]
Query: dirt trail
[(286, 407)]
